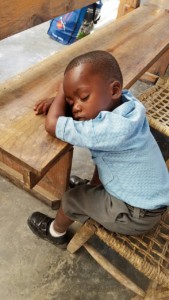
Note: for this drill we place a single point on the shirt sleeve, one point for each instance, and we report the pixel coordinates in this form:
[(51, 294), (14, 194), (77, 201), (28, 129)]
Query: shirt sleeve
[(78, 133), (108, 131)]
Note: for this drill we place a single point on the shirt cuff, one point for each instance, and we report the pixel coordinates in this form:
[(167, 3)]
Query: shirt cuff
[(60, 127)]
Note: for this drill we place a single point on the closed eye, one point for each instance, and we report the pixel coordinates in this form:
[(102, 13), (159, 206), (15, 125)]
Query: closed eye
[(84, 98)]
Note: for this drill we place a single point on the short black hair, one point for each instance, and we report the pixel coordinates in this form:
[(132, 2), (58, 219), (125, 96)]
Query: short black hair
[(102, 62)]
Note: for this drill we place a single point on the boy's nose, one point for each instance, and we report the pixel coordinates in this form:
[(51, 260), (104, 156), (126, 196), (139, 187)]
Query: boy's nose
[(76, 108)]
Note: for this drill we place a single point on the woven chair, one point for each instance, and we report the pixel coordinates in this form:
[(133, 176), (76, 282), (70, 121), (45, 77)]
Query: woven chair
[(148, 253), (156, 101)]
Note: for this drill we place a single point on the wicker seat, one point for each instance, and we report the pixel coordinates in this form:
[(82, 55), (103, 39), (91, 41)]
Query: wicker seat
[(156, 101), (149, 253)]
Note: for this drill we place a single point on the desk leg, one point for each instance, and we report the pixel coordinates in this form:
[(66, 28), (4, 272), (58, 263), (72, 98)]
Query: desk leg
[(52, 186), (158, 69)]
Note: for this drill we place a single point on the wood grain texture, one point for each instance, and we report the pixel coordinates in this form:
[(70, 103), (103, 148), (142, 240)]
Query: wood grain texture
[(16, 15), (48, 188), (56, 180), (27, 142), (159, 3), (160, 67), (126, 6)]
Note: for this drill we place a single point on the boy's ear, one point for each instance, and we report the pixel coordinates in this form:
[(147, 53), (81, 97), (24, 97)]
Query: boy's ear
[(115, 89)]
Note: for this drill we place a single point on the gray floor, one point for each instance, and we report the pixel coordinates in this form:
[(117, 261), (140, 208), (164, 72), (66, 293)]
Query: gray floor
[(32, 269)]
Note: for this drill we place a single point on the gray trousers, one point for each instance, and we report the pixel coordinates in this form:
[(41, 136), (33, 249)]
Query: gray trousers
[(86, 201)]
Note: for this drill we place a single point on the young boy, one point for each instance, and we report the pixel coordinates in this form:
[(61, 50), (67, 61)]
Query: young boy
[(134, 182)]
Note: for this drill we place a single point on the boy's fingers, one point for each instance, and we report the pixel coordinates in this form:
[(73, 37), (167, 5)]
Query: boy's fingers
[(42, 106), (45, 108), (39, 102), (38, 112), (39, 109)]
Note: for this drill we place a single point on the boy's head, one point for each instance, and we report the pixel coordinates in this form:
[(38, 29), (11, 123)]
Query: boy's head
[(92, 83)]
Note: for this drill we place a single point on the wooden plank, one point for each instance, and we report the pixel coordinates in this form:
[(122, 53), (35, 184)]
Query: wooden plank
[(30, 179), (27, 142), (159, 3), (126, 6), (160, 67), (26, 179), (81, 236), (56, 180), (50, 188), (16, 15), (149, 77), (113, 271), (11, 173)]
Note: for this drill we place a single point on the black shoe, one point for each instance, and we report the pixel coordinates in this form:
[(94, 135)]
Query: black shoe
[(40, 223), (76, 181)]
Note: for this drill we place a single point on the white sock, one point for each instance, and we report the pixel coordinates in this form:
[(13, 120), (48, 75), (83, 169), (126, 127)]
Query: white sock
[(55, 233)]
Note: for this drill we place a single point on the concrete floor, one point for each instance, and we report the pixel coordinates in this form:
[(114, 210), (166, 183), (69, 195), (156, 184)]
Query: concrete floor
[(32, 269)]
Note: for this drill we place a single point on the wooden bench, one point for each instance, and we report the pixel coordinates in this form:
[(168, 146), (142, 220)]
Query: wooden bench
[(160, 67), (28, 155)]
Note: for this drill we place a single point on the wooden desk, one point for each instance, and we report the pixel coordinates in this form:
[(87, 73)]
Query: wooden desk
[(27, 153), (160, 67), (159, 3)]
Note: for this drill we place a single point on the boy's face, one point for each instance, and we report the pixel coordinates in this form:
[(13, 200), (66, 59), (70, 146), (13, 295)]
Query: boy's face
[(88, 93)]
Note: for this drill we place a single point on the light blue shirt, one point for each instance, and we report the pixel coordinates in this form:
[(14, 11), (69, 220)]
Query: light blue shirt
[(129, 162)]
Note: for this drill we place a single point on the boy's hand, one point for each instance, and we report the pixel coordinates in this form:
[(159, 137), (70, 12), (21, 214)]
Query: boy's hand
[(42, 106)]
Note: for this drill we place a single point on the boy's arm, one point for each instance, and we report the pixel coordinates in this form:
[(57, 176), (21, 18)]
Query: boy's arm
[(57, 109)]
